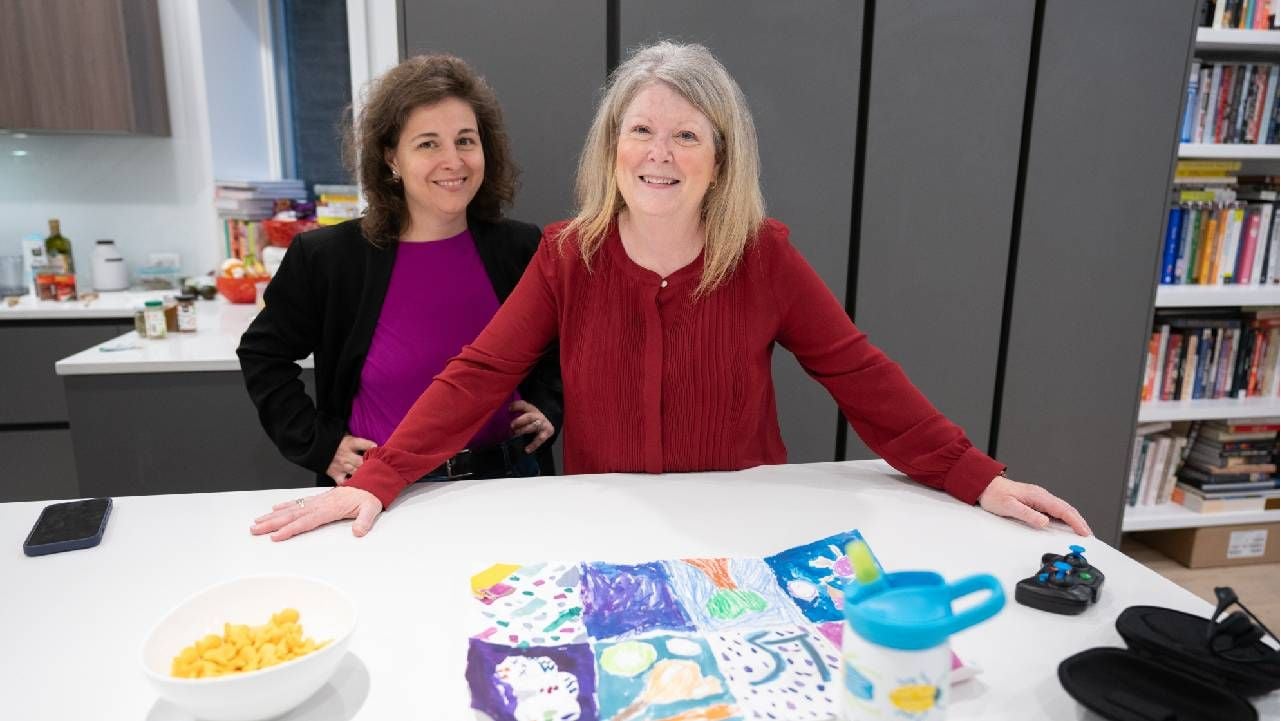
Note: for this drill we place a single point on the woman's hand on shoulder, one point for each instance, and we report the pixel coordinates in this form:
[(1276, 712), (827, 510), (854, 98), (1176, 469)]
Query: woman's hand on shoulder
[(290, 518), (1030, 504)]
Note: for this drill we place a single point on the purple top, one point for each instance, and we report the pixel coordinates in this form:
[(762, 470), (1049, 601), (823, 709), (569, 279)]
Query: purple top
[(439, 299)]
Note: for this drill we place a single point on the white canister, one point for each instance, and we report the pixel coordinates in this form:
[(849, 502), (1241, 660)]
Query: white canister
[(886, 683), (109, 269)]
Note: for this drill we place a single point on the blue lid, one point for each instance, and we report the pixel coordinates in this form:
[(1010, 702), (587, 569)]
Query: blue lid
[(913, 609)]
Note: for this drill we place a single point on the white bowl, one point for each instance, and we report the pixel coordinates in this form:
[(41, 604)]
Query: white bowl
[(326, 613)]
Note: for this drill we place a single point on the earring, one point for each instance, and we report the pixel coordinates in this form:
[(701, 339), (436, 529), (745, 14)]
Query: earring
[(395, 175)]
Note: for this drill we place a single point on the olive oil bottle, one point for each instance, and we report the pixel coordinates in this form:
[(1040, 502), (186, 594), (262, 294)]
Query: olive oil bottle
[(57, 249)]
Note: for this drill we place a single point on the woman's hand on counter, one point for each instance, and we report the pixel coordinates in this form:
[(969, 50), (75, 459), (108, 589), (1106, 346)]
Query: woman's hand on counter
[(300, 515), (348, 457), (1030, 504)]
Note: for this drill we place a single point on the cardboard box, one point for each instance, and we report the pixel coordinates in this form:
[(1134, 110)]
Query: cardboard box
[(1238, 545)]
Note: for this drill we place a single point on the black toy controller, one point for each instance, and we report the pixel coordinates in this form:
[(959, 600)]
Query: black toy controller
[(1065, 584)]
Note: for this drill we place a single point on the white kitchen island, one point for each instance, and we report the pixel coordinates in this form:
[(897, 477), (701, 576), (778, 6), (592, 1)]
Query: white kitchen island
[(74, 622)]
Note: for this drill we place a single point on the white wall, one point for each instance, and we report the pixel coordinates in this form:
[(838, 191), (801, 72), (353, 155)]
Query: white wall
[(148, 194)]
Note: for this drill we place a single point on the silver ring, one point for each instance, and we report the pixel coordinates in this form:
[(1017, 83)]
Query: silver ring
[(300, 502)]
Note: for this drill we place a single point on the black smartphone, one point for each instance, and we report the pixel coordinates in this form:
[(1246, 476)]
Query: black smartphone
[(68, 526)]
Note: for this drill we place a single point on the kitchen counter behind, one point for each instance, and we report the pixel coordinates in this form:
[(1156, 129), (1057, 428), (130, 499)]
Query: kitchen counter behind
[(107, 305), (211, 348)]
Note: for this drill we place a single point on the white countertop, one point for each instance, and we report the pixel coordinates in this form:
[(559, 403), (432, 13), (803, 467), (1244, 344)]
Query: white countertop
[(107, 305), (212, 347), (73, 622)]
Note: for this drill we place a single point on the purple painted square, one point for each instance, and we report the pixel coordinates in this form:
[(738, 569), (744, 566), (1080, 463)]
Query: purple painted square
[(555, 682), (622, 600)]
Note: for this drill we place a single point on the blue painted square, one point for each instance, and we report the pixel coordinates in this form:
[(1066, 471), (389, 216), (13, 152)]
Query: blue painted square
[(624, 600), (814, 575)]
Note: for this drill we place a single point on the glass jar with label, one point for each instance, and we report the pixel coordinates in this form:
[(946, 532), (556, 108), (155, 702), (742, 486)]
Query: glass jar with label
[(140, 321), (46, 288), (155, 318), (171, 314), (186, 313)]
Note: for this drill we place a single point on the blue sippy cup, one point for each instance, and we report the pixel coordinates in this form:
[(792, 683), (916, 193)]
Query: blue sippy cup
[(896, 659)]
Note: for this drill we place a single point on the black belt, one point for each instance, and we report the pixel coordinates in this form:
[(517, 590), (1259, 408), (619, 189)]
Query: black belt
[(488, 462)]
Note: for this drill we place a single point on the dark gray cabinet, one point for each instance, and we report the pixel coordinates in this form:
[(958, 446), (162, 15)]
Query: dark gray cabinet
[(34, 423), (39, 465), (1104, 137), (151, 433), (545, 61), (72, 66), (944, 121)]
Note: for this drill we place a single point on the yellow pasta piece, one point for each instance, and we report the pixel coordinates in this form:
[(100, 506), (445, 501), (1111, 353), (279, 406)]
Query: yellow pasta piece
[(242, 648)]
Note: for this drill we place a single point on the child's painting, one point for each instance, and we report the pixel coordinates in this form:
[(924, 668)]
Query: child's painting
[(620, 600), (552, 683), (661, 677), (814, 575), (520, 606), (694, 639), (726, 593)]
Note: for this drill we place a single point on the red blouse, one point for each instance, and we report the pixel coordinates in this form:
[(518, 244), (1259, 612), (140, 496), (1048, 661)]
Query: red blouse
[(658, 382)]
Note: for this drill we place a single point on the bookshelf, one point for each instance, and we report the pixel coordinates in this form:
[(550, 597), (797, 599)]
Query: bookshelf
[(1225, 151), (1172, 515), (1216, 43), (1216, 296), (1210, 39), (1207, 409)]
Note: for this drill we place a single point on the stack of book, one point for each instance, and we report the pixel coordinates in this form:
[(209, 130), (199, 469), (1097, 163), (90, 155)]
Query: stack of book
[(1229, 466), (243, 205), (1211, 353), (1231, 103), (1238, 15), (336, 203)]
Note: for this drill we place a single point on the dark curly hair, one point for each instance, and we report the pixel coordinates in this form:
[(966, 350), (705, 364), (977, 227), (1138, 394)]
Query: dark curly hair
[(419, 81)]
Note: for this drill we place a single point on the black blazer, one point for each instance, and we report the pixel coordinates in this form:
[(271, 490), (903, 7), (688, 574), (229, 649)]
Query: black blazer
[(325, 300)]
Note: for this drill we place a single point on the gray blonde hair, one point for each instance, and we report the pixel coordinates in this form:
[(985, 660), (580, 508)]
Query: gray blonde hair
[(733, 208)]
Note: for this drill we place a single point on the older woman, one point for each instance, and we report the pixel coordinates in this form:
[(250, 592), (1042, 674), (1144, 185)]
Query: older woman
[(383, 302), (667, 293)]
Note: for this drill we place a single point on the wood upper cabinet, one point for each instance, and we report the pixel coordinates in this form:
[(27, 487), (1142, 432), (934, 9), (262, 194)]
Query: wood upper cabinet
[(92, 66)]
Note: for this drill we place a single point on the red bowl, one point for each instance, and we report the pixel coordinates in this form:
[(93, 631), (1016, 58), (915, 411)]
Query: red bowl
[(238, 290)]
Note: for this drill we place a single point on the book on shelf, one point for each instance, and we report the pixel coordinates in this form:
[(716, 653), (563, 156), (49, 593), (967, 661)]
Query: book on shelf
[(1211, 353), (1221, 243), (1238, 15), (336, 203), (1219, 432), (1231, 103), (1153, 463), (1204, 454), (1193, 500)]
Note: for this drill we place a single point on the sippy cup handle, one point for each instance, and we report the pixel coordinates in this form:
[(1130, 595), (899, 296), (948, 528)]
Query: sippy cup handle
[(983, 611)]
